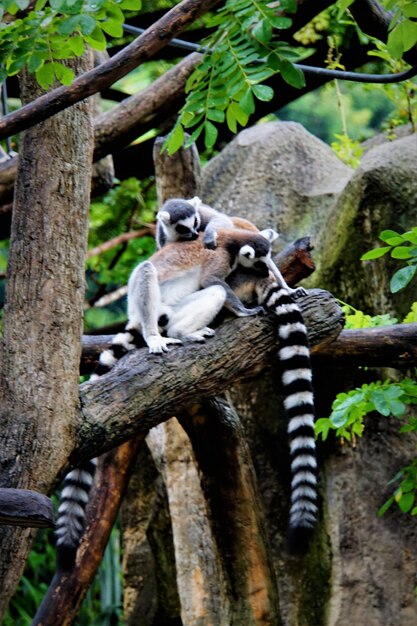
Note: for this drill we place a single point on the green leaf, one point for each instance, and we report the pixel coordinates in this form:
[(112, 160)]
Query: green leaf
[(45, 75), (63, 73), (375, 253), (280, 22), (239, 114), (342, 6), (69, 25), (410, 10), (247, 102), (77, 45), (176, 139), (402, 277), (231, 120), (215, 115), (87, 24), (263, 31), (409, 30), (194, 136), (322, 427), (404, 252), (35, 62), (97, 39), (263, 92), (131, 5), (385, 235), (384, 508), (292, 74), (274, 61), (210, 135), (112, 28), (406, 502)]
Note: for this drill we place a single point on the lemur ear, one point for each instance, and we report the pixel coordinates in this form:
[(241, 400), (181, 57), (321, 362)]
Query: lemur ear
[(269, 234), (164, 216), (196, 202), (247, 251)]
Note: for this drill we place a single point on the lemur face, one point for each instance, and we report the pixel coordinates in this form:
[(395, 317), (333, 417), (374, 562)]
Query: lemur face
[(256, 255), (187, 229), (180, 220)]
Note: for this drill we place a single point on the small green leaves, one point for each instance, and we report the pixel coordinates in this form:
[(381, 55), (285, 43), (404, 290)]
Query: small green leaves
[(350, 409), (263, 92), (55, 30), (399, 248)]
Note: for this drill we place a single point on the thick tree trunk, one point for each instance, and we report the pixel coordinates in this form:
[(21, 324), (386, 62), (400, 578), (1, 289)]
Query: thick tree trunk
[(43, 315)]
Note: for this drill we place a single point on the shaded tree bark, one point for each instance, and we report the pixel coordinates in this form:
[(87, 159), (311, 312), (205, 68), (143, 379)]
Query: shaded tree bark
[(43, 315)]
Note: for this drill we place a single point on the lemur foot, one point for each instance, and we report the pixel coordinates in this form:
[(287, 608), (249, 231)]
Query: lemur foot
[(256, 310), (298, 292), (200, 335), (158, 344)]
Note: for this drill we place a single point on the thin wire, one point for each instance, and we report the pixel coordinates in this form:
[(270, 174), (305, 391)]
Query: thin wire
[(308, 69)]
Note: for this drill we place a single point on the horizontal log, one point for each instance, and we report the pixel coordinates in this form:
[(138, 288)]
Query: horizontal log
[(22, 507), (145, 389), (383, 346)]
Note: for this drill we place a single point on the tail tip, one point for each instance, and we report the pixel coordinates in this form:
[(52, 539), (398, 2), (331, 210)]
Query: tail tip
[(299, 540), (65, 557)]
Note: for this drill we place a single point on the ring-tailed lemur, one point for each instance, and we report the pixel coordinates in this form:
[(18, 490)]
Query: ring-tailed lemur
[(183, 220), (178, 215), (182, 288)]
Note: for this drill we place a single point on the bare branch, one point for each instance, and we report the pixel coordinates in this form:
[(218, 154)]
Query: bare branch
[(112, 243)]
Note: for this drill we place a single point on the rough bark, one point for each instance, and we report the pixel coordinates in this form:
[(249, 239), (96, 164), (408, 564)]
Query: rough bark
[(43, 315), (22, 507), (248, 584)]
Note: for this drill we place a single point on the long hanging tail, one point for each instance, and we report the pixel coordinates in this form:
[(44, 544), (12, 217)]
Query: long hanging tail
[(71, 513), (294, 359), (77, 484)]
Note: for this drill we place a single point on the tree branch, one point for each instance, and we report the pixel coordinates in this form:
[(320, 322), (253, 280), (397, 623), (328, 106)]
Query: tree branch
[(384, 346), (129, 400), (140, 50)]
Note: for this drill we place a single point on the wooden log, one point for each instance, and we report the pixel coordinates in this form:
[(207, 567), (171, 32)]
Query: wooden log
[(23, 507)]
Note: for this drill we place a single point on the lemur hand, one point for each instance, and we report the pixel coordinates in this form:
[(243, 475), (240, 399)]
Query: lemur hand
[(158, 344)]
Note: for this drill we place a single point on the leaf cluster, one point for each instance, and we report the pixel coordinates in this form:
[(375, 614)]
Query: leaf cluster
[(244, 51), (405, 493), (349, 409), (56, 30), (399, 246)]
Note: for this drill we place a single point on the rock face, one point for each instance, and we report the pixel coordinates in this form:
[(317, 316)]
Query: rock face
[(278, 175), (362, 568)]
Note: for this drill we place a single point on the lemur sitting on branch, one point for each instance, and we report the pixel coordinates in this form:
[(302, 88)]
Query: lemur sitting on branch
[(180, 289)]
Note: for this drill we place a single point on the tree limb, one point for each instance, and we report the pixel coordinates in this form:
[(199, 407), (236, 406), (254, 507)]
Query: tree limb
[(128, 400), (140, 50), (384, 346)]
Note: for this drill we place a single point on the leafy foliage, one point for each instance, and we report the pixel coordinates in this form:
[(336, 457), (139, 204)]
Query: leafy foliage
[(56, 30), (349, 409), (244, 52), (358, 319), (405, 493), (399, 246)]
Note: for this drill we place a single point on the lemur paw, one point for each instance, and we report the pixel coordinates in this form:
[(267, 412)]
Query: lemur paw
[(200, 335), (158, 344), (298, 292)]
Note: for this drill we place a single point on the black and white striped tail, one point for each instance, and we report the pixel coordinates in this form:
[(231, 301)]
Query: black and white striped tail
[(294, 359), (77, 484), (71, 513)]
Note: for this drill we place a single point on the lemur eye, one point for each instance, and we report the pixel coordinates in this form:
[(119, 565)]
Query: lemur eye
[(195, 223), (182, 230)]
